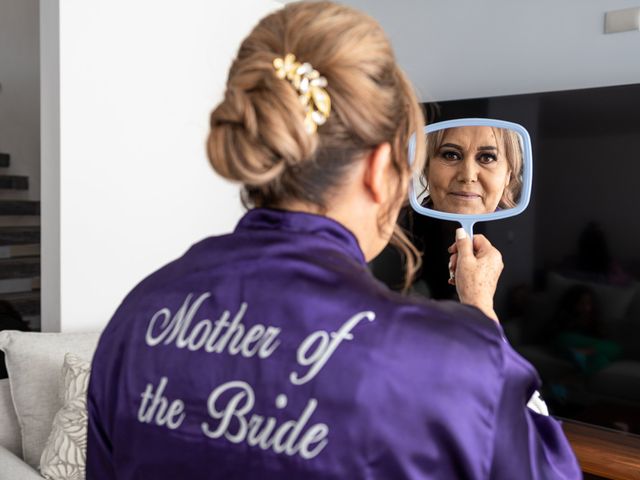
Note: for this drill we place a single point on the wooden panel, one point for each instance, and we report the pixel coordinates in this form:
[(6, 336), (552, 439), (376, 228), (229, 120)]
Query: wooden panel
[(14, 182), (19, 235), (17, 251), (26, 303), (19, 207), (603, 452), (25, 267)]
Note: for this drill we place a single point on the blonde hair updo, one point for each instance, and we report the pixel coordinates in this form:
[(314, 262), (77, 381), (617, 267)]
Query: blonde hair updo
[(258, 136)]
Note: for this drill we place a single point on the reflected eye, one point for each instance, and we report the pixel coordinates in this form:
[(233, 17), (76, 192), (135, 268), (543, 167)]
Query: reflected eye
[(450, 155), (487, 158)]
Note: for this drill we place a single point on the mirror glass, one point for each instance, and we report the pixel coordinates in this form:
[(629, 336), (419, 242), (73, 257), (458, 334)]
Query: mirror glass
[(475, 170)]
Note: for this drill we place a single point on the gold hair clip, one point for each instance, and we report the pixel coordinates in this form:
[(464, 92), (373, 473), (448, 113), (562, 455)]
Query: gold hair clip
[(311, 89)]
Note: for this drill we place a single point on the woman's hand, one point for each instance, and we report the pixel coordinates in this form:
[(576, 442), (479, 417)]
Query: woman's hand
[(475, 271)]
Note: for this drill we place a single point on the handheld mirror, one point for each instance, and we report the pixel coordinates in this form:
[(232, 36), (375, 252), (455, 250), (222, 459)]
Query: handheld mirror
[(476, 170)]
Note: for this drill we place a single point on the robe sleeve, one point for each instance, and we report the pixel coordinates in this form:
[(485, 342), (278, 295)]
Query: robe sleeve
[(528, 445)]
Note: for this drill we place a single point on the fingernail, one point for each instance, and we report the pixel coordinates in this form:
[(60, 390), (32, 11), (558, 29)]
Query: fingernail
[(460, 234), (449, 264)]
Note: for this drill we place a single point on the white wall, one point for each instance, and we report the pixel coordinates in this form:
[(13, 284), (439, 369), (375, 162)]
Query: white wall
[(126, 185), (137, 83), (468, 48), (20, 95)]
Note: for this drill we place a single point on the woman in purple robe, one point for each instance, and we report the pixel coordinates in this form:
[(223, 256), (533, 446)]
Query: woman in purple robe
[(272, 352)]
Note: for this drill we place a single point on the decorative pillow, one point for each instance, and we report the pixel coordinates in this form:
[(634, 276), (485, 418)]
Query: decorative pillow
[(64, 455), (34, 361)]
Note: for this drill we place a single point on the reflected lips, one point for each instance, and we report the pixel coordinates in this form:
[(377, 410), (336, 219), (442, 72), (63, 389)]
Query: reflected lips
[(465, 195)]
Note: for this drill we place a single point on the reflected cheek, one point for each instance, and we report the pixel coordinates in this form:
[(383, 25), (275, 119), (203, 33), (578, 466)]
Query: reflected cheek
[(494, 191), (438, 182)]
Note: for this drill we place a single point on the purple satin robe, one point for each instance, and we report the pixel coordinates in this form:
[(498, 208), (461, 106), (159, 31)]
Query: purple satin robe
[(272, 353)]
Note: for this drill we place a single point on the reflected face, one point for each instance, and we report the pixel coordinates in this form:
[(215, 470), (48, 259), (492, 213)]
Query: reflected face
[(469, 172)]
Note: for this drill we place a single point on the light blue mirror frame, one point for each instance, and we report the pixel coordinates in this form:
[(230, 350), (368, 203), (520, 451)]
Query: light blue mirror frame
[(467, 221)]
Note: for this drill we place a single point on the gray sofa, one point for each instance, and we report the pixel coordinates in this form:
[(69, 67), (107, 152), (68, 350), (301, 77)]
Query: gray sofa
[(32, 395), (12, 465)]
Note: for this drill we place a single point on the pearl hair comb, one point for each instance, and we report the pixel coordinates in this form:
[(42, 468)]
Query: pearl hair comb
[(311, 89)]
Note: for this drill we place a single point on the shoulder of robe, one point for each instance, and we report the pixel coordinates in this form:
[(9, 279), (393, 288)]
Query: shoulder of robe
[(443, 356), (420, 328), (424, 315)]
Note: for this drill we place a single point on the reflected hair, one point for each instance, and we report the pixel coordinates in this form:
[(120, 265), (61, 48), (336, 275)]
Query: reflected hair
[(257, 135)]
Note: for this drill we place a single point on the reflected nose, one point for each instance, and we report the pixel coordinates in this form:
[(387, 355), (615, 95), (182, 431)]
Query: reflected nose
[(468, 171)]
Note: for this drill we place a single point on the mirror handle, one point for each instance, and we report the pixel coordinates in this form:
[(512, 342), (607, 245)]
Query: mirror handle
[(468, 224)]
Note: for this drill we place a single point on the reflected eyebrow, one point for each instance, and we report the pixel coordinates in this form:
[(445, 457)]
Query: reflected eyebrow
[(484, 148)]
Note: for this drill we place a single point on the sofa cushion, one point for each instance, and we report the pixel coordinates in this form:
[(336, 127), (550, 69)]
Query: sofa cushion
[(65, 453), (621, 379), (9, 427), (34, 362), (614, 300), (13, 468)]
